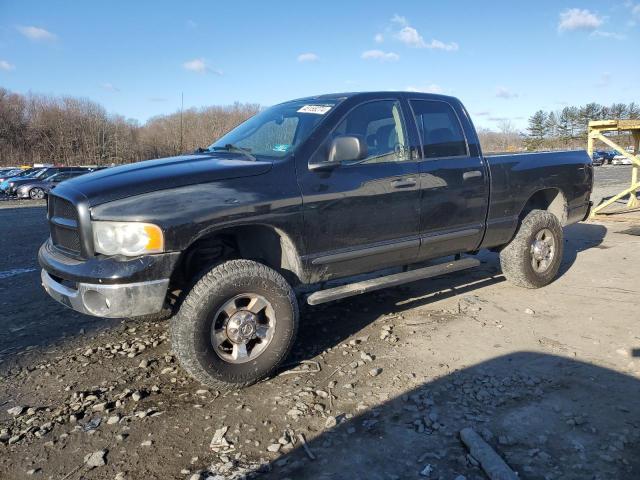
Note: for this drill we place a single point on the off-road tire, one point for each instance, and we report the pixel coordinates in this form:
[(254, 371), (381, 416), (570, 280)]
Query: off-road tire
[(515, 258), (191, 326)]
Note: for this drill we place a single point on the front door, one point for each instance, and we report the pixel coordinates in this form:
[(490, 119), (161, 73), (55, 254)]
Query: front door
[(364, 215), (454, 182)]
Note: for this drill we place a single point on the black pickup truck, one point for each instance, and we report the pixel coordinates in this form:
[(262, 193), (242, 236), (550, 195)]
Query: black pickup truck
[(230, 238)]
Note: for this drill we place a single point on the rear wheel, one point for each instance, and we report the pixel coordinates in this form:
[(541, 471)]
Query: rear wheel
[(236, 325), (532, 259), (36, 193)]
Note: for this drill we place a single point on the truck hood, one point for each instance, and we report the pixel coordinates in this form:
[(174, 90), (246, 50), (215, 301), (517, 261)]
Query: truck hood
[(149, 176)]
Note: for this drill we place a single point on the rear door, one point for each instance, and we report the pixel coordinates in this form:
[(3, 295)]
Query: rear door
[(453, 180), (364, 215)]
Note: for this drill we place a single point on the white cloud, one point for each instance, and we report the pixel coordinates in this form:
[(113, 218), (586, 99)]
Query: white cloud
[(6, 66), (635, 11), (433, 88), (37, 33), (603, 34), (308, 57), (412, 38), (578, 19), (502, 92), (380, 55), (109, 87), (378, 38), (199, 65), (438, 45), (400, 20)]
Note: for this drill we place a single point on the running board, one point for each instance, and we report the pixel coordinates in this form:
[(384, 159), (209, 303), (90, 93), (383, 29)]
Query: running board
[(393, 280)]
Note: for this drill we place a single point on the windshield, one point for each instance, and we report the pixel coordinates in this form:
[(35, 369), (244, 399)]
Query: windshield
[(44, 174), (276, 131)]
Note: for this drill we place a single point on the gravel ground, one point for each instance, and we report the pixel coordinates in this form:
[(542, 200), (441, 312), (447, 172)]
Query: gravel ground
[(379, 385)]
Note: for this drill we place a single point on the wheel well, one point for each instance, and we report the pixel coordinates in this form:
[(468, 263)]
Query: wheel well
[(549, 199), (261, 243)]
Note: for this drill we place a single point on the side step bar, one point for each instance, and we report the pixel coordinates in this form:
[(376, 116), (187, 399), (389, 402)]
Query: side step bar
[(393, 280)]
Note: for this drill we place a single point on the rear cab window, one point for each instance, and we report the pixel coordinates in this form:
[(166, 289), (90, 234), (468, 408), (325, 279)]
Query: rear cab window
[(439, 128)]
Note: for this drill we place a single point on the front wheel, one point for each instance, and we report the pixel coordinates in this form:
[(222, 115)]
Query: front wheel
[(533, 257), (236, 325)]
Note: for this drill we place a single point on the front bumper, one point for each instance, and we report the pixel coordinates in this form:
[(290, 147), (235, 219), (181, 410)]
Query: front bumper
[(107, 286), (111, 301)]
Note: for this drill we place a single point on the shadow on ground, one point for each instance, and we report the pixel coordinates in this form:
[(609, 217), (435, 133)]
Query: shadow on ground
[(327, 325), (547, 416)]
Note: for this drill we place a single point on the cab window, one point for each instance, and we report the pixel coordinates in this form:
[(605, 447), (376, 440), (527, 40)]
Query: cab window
[(439, 129)]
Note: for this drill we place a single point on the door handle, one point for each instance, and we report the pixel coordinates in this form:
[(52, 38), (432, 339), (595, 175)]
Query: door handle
[(404, 183), (471, 174)]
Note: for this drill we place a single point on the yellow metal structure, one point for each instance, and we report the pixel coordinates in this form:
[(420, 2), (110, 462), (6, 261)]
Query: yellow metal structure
[(596, 132)]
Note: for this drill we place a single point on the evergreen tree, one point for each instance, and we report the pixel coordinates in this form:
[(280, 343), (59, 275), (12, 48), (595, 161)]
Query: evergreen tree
[(551, 125), (537, 130), (564, 126)]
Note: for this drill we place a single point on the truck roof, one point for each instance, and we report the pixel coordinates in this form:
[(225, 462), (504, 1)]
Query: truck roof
[(372, 94)]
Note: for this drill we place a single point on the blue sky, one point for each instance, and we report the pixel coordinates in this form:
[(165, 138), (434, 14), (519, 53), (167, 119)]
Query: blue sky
[(504, 59)]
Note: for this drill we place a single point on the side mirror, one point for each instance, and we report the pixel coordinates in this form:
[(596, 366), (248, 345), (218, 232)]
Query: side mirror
[(345, 148)]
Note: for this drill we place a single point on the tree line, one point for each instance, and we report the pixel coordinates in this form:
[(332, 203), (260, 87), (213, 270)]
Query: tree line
[(567, 128), (76, 131)]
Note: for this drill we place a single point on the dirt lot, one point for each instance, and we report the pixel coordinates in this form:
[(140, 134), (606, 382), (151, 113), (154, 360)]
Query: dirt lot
[(379, 385)]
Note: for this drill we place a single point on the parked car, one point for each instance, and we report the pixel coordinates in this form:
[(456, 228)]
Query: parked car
[(621, 160), (310, 190), (8, 173), (597, 159), (10, 186), (38, 189)]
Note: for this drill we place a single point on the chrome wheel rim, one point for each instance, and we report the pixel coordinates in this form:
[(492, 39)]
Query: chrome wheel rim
[(37, 194), (543, 250), (243, 328)]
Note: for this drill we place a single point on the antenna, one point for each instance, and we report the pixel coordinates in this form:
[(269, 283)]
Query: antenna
[(181, 108)]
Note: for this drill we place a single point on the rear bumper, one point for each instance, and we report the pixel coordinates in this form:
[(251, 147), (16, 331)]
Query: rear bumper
[(111, 301)]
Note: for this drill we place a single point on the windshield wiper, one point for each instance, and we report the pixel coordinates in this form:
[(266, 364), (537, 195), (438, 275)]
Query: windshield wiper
[(229, 147)]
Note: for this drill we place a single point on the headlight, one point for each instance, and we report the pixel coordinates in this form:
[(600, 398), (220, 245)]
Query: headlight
[(127, 238)]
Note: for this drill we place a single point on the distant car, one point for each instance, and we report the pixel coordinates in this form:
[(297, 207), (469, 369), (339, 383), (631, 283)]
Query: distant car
[(37, 189), (8, 173), (607, 155), (597, 159), (11, 185), (621, 160)]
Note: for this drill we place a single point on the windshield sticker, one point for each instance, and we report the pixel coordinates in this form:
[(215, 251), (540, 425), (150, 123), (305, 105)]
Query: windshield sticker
[(281, 147), (317, 109)]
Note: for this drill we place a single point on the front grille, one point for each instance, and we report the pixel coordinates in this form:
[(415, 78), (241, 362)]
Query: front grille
[(63, 221), (66, 238), (63, 209)]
